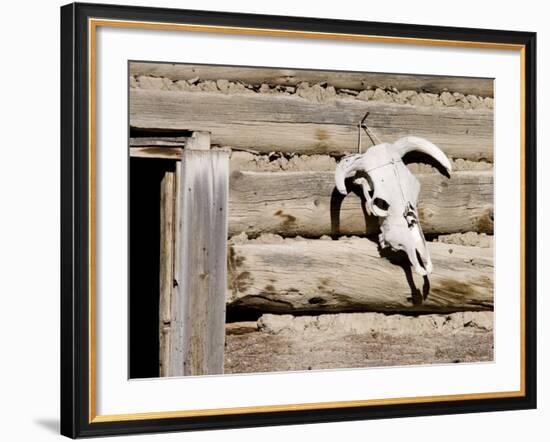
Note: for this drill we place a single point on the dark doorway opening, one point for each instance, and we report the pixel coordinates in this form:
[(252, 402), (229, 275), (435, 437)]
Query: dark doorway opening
[(144, 261)]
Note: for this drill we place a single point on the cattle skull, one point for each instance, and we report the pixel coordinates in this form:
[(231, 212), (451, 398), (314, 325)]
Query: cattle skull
[(391, 193)]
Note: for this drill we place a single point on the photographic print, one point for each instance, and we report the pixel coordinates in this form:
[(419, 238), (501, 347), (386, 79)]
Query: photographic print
[(272, 220), (292, 220)]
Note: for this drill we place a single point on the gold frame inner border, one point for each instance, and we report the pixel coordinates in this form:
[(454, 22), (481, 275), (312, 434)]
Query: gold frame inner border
[(93, 24)]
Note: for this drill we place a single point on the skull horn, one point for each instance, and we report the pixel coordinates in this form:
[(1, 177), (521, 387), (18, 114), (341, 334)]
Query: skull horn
[(345, 169), (409, 144)]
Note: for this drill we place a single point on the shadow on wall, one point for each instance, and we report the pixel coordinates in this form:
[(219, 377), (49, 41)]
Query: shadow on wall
[(49, 424)]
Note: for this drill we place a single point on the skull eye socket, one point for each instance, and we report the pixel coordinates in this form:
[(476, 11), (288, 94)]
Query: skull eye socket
[(381, 203)]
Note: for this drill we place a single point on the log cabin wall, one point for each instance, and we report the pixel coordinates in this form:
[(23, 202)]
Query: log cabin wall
[(294, 245)]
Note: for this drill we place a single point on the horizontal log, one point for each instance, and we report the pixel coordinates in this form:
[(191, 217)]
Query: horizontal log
[(158, 141), (287, 123), (305, 203), (350, 275), (338, 79), (161, 152)]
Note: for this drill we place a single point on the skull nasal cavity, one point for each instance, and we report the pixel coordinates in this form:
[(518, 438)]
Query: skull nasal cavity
[(381, 204)]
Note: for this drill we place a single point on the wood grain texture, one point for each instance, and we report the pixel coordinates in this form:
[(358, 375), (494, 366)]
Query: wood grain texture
[(350, 275), (292, 77), (166, 270), (203, 250), (198, 141), (176, 336), (158, 141), (293, 124), (161, 152), (306, 203)]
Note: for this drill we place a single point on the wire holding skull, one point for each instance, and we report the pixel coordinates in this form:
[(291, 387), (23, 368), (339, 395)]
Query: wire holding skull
[(363, 126)]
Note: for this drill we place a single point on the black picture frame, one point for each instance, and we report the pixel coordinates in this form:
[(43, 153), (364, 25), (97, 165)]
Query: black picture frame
[(75, 220)]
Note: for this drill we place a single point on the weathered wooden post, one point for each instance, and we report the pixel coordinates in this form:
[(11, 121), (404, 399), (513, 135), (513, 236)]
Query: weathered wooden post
[(193, 341), (168, 192)]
